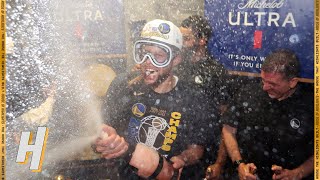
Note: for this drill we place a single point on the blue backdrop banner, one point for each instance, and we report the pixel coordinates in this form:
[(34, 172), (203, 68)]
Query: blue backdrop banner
[(246, 31)]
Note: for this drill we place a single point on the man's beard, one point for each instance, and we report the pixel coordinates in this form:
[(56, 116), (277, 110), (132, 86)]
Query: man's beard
[(161, 79)]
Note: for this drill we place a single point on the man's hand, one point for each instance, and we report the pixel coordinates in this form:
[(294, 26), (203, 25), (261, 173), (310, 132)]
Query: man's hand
[(286, 174), (177, 162), (247, 171), (214, 172), (110, 145)]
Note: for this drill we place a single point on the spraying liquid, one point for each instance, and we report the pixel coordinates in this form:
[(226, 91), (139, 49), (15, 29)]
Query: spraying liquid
[(47, 46), (104, 135)]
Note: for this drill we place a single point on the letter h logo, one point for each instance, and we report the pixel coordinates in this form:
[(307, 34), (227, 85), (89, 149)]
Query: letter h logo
[(37, 149)]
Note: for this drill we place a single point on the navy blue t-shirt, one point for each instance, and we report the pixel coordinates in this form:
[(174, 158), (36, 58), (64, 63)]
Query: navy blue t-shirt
[(167, 122)]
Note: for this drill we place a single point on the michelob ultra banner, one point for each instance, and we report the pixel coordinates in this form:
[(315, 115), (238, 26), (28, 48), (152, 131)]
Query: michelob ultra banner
[(95, 27), (246, 31)]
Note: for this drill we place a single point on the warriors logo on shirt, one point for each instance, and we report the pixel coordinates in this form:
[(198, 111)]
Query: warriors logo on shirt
[(138, 109), (198, 79), (295, 123)]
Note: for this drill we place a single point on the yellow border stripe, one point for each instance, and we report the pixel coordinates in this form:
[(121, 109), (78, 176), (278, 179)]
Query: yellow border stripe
[(3, 89), (316, 90)]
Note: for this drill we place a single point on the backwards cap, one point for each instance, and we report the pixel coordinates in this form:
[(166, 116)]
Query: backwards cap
[(162, 31)]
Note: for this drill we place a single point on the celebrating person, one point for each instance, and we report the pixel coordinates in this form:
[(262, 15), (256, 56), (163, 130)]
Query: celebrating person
[(268, 133), (155, 123)]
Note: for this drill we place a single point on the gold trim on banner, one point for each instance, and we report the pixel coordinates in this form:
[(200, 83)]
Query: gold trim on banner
[(3, 90), (317, 90)]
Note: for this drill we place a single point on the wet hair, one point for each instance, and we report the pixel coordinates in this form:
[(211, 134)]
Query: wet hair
[(199, 26), (282, 61)]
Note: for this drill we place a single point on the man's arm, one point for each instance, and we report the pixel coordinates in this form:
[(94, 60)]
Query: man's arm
[(245, 171), (214, 171), (231, 144), (188, 157), (222, 153), (300, 172), (145, 159)]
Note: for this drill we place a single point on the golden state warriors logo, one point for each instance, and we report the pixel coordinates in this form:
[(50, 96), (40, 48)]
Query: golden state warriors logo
[(198, 79), (295, 123), (164, 28), (138, 109)]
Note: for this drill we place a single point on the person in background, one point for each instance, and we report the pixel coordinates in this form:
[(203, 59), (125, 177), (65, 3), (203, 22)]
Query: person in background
[(198, 66), (268, 133), (155, 123), (201, 70)]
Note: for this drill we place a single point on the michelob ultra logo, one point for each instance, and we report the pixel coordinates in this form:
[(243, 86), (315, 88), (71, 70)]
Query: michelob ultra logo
[(246, 31), (37, 149)]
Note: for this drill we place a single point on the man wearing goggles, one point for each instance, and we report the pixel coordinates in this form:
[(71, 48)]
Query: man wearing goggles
[(160, 58), (152, 116), (157, 52)]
